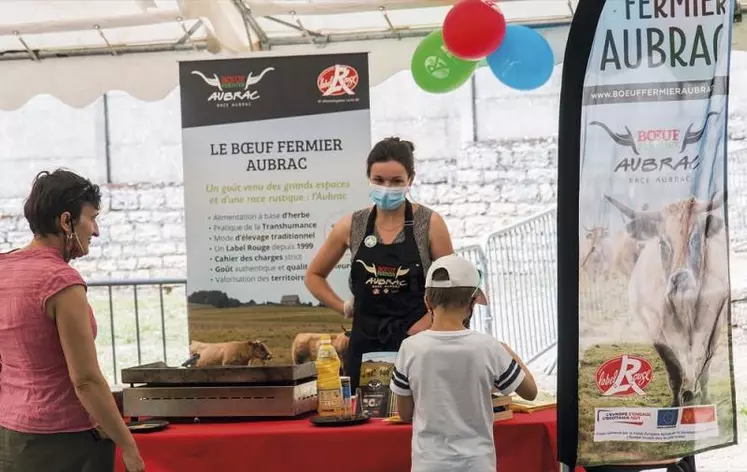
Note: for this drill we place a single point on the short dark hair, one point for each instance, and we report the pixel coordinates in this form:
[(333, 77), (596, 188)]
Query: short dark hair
[(54, 193), (393, 149), (448, 297)]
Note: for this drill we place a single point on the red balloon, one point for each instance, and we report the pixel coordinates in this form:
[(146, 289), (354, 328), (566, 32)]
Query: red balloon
[(473, 29)]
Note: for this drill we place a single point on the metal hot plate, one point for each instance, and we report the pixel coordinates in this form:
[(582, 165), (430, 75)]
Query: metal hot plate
[(161, 374), (157, 390)]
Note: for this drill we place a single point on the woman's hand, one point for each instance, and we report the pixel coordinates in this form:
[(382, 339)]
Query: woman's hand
[(348, 309), (69, 308), (325, 261), (421, 325), (132, 460)]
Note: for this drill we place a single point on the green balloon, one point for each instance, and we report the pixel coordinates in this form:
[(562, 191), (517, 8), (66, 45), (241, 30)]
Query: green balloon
[(435, 69)]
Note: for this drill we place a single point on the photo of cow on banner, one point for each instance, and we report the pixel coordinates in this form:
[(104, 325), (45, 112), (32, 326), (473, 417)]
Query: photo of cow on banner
[(653, 363)]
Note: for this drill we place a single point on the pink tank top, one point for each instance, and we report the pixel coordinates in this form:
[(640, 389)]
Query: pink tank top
[(36, 394)]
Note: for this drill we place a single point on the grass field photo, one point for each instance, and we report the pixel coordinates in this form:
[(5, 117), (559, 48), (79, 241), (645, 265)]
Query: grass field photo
[(657, 395), (608, 329), (275, 325)]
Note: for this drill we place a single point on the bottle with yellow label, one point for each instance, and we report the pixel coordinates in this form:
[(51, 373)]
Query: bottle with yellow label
[(328, 383)]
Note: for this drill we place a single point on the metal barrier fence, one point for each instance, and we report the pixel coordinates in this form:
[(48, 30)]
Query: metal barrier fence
[(141, 309), (147, 319), (522, 275), (519, 265)]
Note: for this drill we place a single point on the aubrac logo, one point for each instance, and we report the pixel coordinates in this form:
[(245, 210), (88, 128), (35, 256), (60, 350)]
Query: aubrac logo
[(233, 88)]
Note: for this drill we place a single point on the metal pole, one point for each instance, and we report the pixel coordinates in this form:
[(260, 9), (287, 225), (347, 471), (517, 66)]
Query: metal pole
[(473, 107), (107, 139)]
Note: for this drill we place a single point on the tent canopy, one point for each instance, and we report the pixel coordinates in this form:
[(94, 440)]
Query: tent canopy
[(77, 50)]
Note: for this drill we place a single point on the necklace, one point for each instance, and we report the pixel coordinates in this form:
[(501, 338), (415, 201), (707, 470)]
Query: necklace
[(397, 227)]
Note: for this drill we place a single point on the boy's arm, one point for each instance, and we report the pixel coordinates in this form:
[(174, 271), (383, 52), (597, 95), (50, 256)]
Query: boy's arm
[(513, 375), (405, 408), (400, 385)]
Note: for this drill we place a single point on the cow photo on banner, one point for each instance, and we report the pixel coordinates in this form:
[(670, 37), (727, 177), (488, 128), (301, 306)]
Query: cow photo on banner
[(654, 377), (274, 152)]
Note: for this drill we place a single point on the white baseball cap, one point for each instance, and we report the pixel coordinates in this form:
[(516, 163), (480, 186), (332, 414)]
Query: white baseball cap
[(462, 273)]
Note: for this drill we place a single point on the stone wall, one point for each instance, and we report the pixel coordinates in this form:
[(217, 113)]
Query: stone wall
[(489, 185), (482, 166), (481, 190), (142, 233)]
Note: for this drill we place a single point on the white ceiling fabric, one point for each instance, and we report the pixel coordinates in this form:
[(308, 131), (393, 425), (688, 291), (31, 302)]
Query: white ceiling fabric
[(77, 50)]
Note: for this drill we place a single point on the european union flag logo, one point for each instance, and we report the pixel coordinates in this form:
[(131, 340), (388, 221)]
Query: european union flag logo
[(667, 418)]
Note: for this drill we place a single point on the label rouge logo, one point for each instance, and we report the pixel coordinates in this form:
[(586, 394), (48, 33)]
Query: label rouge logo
[(338, 80), (624, 376), (233, 89)]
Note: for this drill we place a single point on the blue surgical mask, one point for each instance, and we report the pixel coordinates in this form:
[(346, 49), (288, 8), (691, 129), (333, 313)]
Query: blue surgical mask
[(387, 198)]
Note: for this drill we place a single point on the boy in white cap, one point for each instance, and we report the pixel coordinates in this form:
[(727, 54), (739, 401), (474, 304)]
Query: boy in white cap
[(443, 377)]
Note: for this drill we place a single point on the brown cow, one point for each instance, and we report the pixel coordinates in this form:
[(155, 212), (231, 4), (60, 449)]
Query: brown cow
[(230, 353), (679, 288), (595, 252), (625, 253), (306, 345)]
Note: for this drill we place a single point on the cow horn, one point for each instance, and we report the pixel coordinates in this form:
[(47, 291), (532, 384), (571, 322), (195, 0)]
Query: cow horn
[(633, 214)]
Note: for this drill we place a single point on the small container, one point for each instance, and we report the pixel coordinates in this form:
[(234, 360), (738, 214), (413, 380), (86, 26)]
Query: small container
[(346, 395)]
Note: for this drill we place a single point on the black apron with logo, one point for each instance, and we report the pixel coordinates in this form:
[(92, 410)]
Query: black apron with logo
[(388, 284)]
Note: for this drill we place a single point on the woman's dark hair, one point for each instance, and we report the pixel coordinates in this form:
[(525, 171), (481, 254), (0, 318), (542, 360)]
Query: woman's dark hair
[(52, 194), (393, 149)]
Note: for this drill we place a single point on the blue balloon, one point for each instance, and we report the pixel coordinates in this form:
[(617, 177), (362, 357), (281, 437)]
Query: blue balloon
[(524, 60)]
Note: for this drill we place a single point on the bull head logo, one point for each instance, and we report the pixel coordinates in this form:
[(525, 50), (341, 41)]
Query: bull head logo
[(626, 139), (401, 272), (621, 139), (214, 81), (250, 80), (694, 137), (371, 269)]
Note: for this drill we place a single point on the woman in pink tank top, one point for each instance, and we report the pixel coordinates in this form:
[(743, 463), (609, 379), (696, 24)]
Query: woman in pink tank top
[(55, 401)]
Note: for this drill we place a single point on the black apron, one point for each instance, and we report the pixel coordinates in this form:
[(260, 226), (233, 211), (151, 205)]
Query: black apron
[(388, 284)]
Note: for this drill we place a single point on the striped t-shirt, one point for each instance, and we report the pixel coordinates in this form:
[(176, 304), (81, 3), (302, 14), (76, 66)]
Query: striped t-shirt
[(450, 375)]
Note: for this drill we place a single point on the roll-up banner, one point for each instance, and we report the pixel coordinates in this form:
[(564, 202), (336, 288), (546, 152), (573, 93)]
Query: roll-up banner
[(274, 154), (645, 347)]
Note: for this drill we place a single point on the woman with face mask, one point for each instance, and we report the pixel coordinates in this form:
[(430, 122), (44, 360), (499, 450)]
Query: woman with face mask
[(392, 245), (56, 407)]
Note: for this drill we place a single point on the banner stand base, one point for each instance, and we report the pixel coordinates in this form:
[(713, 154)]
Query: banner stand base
[(686, 464)]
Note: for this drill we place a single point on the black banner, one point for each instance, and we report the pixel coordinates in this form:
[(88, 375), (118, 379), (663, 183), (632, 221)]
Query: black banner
[(235, 91)]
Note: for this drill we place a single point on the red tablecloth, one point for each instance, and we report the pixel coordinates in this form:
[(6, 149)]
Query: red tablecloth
[(526, 443)]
